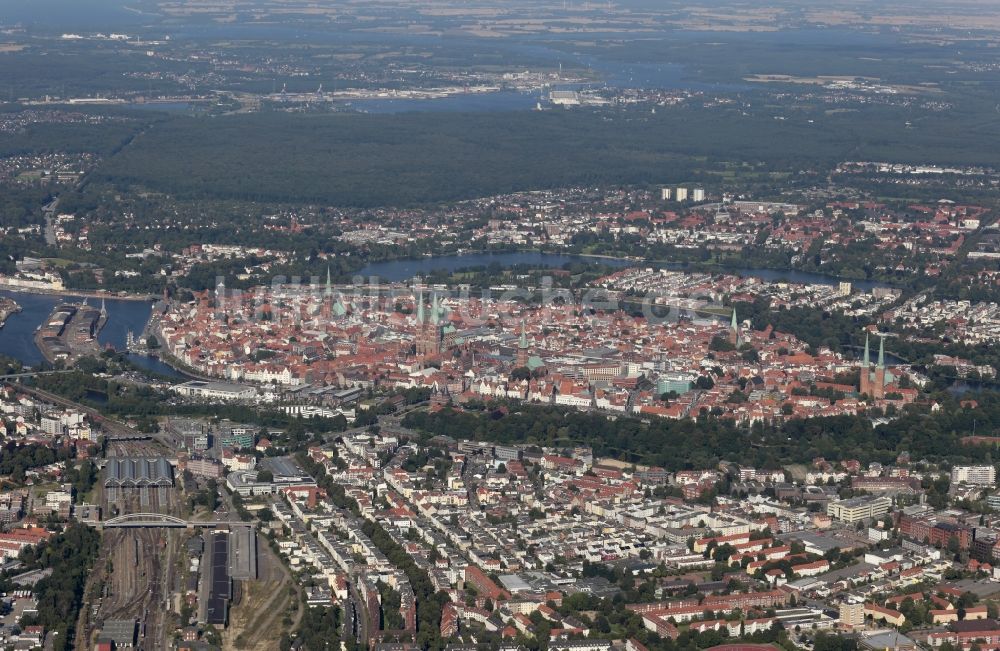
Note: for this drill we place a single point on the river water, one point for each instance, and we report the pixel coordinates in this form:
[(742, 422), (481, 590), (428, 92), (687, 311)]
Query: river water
[(17, 335)]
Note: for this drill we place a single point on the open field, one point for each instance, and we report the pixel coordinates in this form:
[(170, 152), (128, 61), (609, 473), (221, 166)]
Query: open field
[(257, 617)]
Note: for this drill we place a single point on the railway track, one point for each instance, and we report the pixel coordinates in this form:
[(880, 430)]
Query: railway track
[(137, 587), (94, 602)]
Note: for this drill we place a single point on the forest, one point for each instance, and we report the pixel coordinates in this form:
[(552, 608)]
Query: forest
[(423, 158), (47, 137), (15, 459)]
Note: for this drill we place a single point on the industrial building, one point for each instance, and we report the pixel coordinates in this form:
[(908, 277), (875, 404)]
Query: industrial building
[(221, 584), (121, 633), (243, 553), (214, 390), (284, 471), (859, 508)]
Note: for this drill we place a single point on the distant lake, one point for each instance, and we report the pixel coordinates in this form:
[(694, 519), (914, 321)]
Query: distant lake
[(70, 14), (400, 270), (504, 100), (797, 277), (529, 52), (167, 107)]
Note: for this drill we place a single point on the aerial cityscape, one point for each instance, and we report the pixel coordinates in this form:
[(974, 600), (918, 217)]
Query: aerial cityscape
[(523, 325)]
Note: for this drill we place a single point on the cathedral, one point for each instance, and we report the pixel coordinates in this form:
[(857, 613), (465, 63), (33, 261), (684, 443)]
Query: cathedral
[(874, 381), (430, 334)]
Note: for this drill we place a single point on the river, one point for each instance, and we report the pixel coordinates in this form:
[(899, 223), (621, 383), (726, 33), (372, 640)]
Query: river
[(17, 335)]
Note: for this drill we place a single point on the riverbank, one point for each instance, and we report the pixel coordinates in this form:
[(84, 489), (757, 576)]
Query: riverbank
[(165, 357), (8, 306), (18, 335), (132, 313), (75, 293)]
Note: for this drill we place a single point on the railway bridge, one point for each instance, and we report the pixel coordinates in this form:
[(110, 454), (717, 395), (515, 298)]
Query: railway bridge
[(160, 520)]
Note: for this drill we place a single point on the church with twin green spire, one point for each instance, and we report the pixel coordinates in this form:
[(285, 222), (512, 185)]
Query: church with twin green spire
[(874, 381)]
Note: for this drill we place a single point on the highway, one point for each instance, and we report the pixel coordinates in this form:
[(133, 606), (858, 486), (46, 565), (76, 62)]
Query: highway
[(49, 210)]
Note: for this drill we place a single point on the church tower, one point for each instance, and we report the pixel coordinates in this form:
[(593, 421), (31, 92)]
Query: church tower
[(522, 348), (734, 330), (428, 337), (878, 390), (326, 303), (864, 385)]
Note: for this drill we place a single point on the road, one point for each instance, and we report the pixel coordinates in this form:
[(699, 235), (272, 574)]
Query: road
[(391, 421), (358, 610), (49, 210)]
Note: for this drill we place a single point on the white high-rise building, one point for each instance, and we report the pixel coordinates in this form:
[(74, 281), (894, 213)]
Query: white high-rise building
[(665, 194), (698, 195), (682, 194), (979, 475)]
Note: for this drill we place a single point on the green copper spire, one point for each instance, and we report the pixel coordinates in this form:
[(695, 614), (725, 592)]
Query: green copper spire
[(523, 343), (734, 325), (435, 310), (420, 306), (329, 283), (881, 351), (866, 359)]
